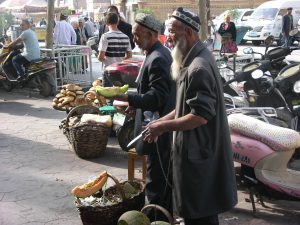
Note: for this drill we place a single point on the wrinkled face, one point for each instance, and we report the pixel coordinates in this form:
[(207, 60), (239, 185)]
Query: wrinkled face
[(140, 36), (177, 32)]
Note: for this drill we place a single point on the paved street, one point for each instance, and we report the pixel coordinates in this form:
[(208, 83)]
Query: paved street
[(38, 170)]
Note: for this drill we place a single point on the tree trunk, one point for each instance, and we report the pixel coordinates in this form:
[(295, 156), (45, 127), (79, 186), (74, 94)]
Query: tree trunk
[(203, 13), (49, 29)]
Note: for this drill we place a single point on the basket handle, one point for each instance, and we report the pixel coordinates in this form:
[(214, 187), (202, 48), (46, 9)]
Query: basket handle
[(118, 185), (162, 209)]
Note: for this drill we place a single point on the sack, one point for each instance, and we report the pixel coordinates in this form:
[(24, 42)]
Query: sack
[(229, 47)]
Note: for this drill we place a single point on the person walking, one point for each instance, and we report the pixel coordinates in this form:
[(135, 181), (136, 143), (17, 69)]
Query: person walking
[(227, 30), (114, 46), (287, 26), (203, 174), (155, 97), (89, 28), (64, 33), (124, 27)]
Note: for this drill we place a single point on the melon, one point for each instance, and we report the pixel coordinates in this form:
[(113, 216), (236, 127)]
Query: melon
[(133, 218)]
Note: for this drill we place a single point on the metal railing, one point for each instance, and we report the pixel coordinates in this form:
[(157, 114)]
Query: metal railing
[(73, 64)]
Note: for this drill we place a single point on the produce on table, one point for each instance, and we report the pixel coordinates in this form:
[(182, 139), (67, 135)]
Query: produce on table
[(109, 92), (91, 187), (133, 218)]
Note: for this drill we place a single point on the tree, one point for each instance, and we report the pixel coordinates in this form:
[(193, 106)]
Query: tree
[(49, 29), (6, 20), (204, 12)]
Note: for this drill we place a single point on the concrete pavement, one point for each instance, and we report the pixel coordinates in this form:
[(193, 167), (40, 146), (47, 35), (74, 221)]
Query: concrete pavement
[(38, 170)]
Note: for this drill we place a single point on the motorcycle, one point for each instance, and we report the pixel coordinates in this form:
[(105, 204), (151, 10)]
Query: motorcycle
[(39, 73), (264, 152)]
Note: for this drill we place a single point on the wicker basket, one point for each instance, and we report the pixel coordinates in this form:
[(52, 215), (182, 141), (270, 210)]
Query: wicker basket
[(109, 215), (87, 140)]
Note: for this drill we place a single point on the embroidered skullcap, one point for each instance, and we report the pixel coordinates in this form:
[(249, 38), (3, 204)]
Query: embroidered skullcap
[(187, 17), (148, 21)]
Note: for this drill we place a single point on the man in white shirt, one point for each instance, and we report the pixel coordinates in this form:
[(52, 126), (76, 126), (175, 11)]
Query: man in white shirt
[(31, 49), (64, 34)]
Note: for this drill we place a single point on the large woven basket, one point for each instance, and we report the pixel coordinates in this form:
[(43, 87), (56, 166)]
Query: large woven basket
[(109, 215), (87, 140)]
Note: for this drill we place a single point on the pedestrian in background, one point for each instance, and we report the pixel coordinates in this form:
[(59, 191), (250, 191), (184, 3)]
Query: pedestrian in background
[(287, 26), (89, 28), (203, 174), (82, 31), (64, 33), (114, 46), (124, 27), (227, 30), (75, 26)]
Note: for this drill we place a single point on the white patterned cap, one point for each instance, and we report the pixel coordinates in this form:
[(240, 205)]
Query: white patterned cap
[(148, 21), (187, 17)]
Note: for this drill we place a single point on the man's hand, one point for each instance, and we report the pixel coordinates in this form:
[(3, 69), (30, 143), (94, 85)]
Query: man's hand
[(130, 111), (154, 129)]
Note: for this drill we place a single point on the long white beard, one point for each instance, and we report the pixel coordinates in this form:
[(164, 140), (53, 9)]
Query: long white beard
[(177, 56)]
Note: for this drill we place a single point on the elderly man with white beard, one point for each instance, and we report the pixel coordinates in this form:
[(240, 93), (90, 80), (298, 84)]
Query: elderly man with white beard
[(203, 174)]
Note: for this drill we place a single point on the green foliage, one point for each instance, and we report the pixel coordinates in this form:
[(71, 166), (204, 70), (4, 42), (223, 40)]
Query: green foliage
[(234, 14), (6, 20), (144, 10), (66, 12)]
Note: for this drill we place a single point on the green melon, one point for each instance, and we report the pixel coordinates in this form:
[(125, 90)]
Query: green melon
[(133, 218)]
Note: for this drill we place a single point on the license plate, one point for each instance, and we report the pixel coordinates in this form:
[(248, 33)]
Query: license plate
[(252, 34), (119, 119)]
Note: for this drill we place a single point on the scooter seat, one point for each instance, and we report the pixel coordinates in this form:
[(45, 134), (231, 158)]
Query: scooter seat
[(278, 138)]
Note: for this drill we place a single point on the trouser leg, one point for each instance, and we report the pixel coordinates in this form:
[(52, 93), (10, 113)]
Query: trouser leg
[(157, 190), (210, 220), (18, 61)]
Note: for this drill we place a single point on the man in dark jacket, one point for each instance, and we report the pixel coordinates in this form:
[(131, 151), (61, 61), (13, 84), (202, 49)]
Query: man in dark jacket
[(287, 26), (156, 96), (203, 174), (124, 27)]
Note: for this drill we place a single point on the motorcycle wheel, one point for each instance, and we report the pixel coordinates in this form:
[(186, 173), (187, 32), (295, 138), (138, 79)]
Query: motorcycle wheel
[(7, 85), (125, 134), (45, 88)]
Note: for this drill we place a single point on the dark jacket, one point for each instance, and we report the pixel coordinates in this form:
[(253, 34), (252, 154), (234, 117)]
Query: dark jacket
[(230, 29), (287, 24), (124, 27), (203, 173), (155, 93)]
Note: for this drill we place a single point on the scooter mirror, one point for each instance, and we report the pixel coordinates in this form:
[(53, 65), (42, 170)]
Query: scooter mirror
[(293, 32), (269, 40), (248, 50), (256, 74), (297, 86)]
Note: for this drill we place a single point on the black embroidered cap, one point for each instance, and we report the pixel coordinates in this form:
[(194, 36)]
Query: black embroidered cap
[(187, 17), (148, 21)]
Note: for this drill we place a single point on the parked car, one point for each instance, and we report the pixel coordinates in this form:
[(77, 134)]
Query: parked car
[(266, 20)]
